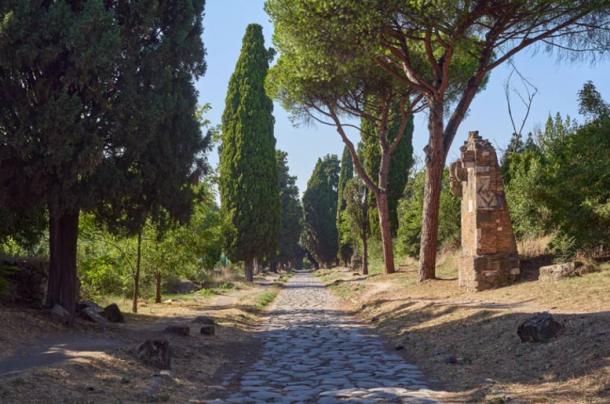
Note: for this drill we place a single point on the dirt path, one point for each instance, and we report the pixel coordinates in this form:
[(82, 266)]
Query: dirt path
[(56, 350), (315, 352)]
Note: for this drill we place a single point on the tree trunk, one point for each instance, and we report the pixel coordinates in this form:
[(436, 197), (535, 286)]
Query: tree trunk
[(365, 256), (136, 278), (248, 264), (158, 287), (435, 161), (63, 238), (386, 231)]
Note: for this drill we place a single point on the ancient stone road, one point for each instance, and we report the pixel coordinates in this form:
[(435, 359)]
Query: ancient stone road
[(314, 352)]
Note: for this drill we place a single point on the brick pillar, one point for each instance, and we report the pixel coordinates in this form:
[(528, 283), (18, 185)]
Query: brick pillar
[(489, 251)]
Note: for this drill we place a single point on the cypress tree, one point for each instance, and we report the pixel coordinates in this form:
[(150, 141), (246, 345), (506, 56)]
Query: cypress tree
[(248, 169), (400, 164), (345, 175), (320, 210), (291, 218), (110, 109)]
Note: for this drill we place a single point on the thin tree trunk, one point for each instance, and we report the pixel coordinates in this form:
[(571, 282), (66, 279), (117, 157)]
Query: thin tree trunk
[(136, 278), (435, 161), (62, 282), (158, 287), (365, 256), (386, 231), (248, 264)]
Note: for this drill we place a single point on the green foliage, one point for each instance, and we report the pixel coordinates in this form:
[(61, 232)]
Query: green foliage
[(345, 176), (561, 185), (265, 298), (191, 250), (102, 115), (248, 168), (356, 211), (410, 211), (320, 236), (291, 219), (400, 164)]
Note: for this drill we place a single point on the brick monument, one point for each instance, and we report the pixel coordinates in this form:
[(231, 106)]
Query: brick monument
[(489, 251)]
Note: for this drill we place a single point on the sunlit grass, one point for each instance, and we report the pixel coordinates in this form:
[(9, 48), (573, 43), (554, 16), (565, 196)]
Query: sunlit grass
[(265, 298)]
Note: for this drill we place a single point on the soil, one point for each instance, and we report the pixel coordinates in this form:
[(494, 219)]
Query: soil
[(468, 341), (43, 361)]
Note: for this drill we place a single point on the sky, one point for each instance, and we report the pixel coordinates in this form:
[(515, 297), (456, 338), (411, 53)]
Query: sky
[(557, 87)]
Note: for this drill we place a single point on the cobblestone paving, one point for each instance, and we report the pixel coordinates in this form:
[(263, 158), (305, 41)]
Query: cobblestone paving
[(313, 352)]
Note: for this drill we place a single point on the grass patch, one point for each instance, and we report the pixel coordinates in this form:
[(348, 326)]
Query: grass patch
[(265, 298)]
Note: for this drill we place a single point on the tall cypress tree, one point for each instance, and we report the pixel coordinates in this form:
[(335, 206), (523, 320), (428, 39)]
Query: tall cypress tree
[(400, 164), (248, 169), (320, 211), (291, 220), (108, 93), (345, 175)]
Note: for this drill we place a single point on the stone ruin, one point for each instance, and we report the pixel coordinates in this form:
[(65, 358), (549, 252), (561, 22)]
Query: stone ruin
[(489, 250)]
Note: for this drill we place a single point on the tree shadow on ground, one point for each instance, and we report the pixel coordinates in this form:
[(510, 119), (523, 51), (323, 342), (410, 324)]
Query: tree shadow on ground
[(489, 355)]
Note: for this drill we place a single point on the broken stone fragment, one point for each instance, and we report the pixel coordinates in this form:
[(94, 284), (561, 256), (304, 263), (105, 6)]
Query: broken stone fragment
[(541, 327), (182, 330), (84, 304), (564, 270), (60, 314), (207, 329), (204, 320), (155, 353), (113, 314), (90, 314)]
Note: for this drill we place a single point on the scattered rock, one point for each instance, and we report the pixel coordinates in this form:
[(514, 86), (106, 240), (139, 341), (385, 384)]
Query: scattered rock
[(84, 304), (374, 319), (90, 314), (182, 330), (60, 314), (564, 270), (451, 360), (204, 320), (113, 314), (155, 353), (539, 328), (207, 330)]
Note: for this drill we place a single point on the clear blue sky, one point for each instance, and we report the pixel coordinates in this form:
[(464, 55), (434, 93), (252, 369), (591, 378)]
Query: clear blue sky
[(225, 23)]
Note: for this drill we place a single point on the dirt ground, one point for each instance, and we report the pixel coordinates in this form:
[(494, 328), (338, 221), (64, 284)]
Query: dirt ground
[(468, 341), (92, 364)]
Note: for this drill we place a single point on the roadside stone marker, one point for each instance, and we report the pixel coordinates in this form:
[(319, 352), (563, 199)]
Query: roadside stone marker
[(489, 251)]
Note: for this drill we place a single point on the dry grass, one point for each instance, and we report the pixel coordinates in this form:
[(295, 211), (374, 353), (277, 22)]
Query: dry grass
[(437, 320), (199, 363)]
